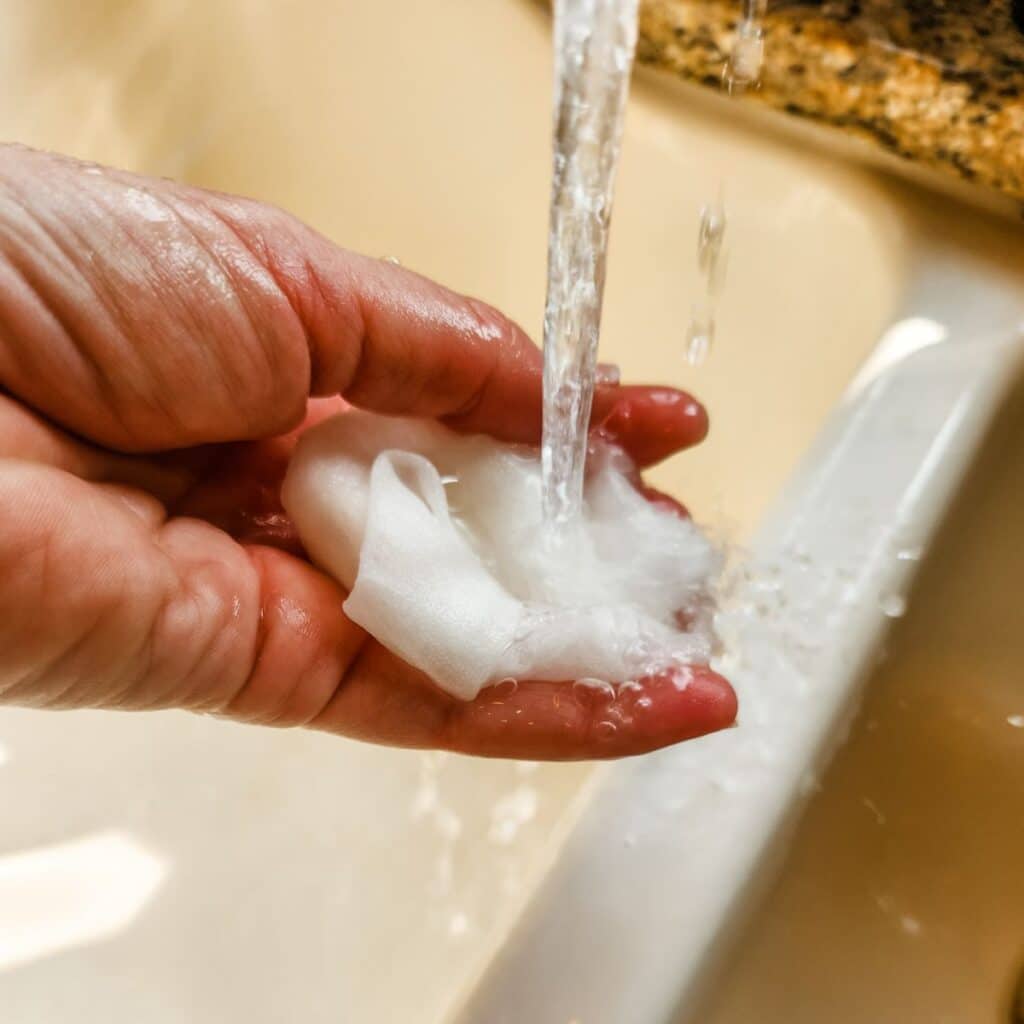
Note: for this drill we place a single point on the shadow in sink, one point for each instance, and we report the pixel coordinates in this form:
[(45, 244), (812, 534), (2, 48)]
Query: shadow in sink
[(902, 898)]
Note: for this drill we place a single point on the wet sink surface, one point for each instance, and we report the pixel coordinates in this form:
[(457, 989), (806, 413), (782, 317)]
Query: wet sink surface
[(902, 898)]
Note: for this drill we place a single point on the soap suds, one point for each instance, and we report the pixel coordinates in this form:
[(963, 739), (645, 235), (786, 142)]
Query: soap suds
[(439, 539)]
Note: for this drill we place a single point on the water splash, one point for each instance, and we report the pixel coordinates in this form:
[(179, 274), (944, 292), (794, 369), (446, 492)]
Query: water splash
[(743, 68), (511, 813), (911, 925), (700, 334), (742, 72), (595, 42)]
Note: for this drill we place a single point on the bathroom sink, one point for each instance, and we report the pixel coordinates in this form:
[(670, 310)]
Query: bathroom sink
[(900, 899), (168, 867)]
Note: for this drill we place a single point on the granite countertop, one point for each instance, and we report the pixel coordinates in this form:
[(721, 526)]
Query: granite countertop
[(939, 82)]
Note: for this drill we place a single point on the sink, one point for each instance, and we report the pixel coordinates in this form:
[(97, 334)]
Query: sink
[(216, 872), (900, 897)]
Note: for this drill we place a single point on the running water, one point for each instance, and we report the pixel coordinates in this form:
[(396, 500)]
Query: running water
[(594, 45), (595, 42), (742, 71)]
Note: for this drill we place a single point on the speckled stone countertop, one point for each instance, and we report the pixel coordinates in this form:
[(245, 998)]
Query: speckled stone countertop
[(939, 82)]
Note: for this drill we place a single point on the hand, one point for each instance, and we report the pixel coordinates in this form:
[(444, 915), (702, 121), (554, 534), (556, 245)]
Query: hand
[(160, 349)]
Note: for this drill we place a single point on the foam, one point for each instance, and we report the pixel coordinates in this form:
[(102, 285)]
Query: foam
[(438, 538)]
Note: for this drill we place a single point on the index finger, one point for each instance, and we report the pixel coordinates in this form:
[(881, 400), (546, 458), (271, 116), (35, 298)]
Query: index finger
[(147, 315)]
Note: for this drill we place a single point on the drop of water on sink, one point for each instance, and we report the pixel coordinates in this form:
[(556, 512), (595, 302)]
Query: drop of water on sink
[(893, 605), (1017, 721), (910, 554), (874, 809), (511, 813), (458, 925)]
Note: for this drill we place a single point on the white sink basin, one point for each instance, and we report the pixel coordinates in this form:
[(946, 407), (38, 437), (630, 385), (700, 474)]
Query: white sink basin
[(169, 867), (900, 898)]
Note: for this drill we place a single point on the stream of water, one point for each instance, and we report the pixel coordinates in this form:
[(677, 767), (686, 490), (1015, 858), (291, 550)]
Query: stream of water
[(595, 41), (594, 45)]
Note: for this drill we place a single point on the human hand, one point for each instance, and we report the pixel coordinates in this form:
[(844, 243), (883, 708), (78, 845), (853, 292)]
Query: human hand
[(161, 348)]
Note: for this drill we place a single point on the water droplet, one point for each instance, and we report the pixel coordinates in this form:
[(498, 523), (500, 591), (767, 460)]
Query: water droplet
[(643, 702), (801, 555), (743, 69), (588, 691), (680, 676), (605, 730), (607, 373), (1017, 721), (504, 687), (874, 809), (710, 237), (910, 925), (808, 783), (700, 334), (893, 605), (511, 813)]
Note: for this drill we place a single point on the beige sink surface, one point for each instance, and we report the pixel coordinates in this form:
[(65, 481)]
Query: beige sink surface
[(902, 898), (273, 876)]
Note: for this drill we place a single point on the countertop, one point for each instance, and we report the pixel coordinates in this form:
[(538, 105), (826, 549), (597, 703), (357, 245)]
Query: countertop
[(937, 82)]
